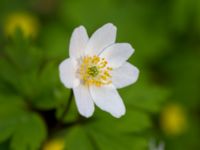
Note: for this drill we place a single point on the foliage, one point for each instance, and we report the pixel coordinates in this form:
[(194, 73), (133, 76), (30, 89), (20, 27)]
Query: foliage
[(165, 35)]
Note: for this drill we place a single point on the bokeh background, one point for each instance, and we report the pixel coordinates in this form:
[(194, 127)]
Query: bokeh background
[(162, 107)]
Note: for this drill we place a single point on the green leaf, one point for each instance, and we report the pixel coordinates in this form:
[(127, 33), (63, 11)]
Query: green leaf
[(145, 95), (107, 133), (22, 54), (26, 130), (133, 121), (8, 73), (50, 93), (29, 133), (77, 138), (10, 111), (117, 141), (8, 122)]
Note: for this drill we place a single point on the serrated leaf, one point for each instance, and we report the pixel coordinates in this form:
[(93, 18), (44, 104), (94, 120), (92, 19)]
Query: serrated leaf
[(50, 92), (22, 54)]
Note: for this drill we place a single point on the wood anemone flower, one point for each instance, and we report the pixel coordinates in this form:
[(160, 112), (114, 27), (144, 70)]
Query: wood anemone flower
[(96, 68)]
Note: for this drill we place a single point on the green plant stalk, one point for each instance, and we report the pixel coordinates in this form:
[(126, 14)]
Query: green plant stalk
[(71, 95)]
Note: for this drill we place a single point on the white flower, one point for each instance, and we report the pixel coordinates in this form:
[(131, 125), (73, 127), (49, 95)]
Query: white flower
[(96, 68)]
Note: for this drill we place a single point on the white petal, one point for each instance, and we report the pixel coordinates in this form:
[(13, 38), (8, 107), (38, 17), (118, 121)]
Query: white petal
[(67, 72), (117, 54), (108, 99), (101, 39), (125, 75), (78, 42), (84, 100)]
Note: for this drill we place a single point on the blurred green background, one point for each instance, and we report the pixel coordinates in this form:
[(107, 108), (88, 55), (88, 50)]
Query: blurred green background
[(163, 106)]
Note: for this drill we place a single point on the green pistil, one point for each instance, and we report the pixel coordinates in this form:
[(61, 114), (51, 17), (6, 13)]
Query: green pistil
[(93, 71)]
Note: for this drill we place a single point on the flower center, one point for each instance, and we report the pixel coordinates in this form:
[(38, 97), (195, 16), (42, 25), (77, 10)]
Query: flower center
[(95, 71)]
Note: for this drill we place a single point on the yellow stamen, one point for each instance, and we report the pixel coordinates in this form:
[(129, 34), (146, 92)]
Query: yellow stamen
[(94, 71)]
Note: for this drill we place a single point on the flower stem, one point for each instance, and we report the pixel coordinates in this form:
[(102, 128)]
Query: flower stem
[(71, 95)]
